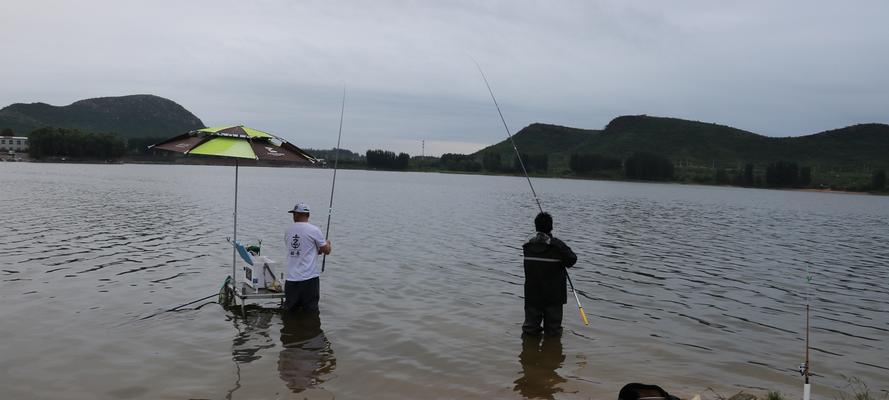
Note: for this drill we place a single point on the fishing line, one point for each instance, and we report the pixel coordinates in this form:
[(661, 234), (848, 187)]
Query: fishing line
[(336, 160), (514, 147), (528, 177)]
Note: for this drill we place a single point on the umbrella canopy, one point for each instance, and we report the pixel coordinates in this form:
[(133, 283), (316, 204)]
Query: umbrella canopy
[(236, 141)]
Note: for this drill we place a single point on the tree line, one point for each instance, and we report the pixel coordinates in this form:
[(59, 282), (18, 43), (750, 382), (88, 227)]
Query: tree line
[(61, 142), (533, 163), (585, 163), (72, 143), (384, 159), (329, 155)]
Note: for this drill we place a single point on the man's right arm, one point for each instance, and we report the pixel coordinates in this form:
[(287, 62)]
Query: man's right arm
[(325, 249), (319, 238), (566, 254)]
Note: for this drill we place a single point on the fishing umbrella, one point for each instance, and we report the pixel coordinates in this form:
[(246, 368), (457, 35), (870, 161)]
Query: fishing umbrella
[(237, 142)]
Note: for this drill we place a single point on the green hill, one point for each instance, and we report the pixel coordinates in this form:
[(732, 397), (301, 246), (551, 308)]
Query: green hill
[(556, 141), (699, 143), (544, 139), (127, 116), (862, 146)]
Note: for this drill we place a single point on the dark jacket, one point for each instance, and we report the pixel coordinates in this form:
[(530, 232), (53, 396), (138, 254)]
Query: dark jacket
[(545, 261)]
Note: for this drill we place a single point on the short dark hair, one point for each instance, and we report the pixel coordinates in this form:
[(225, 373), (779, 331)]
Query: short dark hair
[(544, 222)]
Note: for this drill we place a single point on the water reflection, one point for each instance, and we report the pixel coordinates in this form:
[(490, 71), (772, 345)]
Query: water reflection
[(540, 358), (306, 359), (253, 336)]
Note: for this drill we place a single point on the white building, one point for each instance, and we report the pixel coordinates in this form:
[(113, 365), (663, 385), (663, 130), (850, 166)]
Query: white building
[(18, 144)]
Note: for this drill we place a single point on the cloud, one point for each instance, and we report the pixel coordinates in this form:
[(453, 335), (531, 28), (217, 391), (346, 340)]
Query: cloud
[(777, 68)]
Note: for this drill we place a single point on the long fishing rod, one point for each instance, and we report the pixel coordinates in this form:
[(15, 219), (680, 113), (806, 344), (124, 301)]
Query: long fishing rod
[(219, 294), (179, 306), (804, 368), (528, 177), (336, 160)]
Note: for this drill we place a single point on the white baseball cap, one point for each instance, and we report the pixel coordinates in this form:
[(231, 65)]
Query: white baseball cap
[(300, 208)]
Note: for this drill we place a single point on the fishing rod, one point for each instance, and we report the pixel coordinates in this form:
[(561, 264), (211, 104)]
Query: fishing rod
[(180, 306), (528, 177), (804, 368), (222, 301), (336, 160)]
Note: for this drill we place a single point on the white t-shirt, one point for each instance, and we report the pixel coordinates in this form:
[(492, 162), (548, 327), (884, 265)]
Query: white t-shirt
[(301, 243)]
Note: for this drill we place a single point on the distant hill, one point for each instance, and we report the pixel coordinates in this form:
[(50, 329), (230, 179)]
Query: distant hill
[(703, 143), (128, 116), (544, 138)]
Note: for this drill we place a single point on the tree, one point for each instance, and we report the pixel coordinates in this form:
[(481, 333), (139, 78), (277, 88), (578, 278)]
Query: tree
[(587, 162), (7, 132), (491, 161), (747, 179), (879, 180), (382, 159), (385, 159), (329, 155), (60, 142), (805, 176), (459, 162), (721, 177), (533, 162), (782, 174), (648, 166), (402, 161)]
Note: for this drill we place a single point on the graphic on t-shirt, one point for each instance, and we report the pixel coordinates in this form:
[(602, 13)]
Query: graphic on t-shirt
[(294, 246)]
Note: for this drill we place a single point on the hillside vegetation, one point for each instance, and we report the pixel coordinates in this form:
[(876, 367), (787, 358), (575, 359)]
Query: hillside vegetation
[(699, 143), (658, 148), (132, 116)]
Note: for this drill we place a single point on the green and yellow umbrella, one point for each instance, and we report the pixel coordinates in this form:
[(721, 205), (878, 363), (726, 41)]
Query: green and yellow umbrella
[(236, 141)]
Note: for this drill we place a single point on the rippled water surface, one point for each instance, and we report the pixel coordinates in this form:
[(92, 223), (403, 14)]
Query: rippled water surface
[(688, 287)]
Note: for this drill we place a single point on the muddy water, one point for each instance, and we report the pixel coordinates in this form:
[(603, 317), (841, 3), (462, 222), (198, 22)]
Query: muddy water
[(688, 287)]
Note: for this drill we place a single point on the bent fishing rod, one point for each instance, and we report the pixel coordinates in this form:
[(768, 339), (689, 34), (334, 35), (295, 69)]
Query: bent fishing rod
[(336, 159), (528, 177)]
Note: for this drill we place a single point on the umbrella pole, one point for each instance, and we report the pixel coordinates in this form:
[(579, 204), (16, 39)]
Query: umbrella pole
[(234, 251)]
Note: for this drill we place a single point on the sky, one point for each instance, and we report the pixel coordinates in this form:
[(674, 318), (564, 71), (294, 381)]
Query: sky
[(777, 68)]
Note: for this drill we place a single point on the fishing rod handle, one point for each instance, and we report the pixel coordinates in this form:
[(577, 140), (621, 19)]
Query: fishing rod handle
[(583, 316)]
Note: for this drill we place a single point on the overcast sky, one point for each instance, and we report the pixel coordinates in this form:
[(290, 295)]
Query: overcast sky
[(777, 68)]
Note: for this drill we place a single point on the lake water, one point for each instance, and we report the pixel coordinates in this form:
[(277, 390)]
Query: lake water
[(688, 287)]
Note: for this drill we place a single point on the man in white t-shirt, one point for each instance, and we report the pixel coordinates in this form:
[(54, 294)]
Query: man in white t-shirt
[(303, 243)]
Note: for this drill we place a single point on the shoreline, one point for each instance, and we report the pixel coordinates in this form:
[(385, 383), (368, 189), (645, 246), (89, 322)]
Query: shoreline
[(250, 163)]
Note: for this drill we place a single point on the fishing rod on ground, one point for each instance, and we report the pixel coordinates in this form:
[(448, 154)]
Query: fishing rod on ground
[(336, 159), (528, 177), (804, 368)]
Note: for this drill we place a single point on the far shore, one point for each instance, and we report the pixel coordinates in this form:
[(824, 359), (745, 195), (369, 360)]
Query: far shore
[(227, 162)]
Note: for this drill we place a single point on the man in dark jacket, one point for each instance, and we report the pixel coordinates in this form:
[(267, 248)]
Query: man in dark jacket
[(545, 291)]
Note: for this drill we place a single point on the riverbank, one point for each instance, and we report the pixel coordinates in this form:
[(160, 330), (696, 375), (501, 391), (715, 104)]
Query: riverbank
[(195, 160)]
